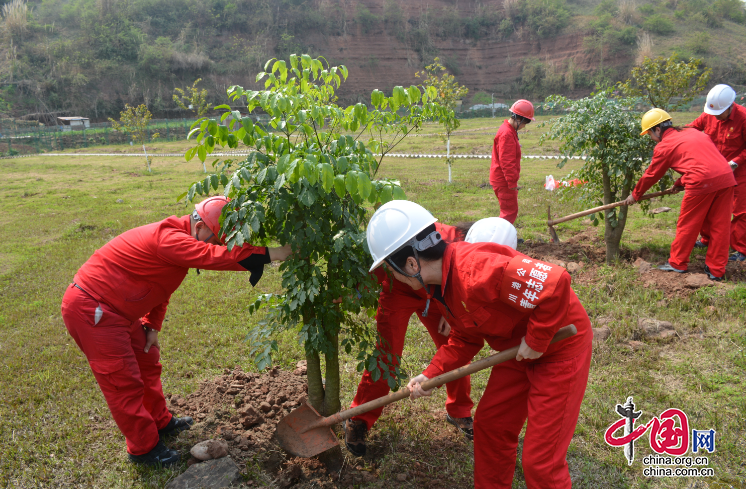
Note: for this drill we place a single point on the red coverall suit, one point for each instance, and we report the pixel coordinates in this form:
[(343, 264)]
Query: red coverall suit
[(729, 137), (125, 286), (709, 186), (493, 293), (505, 170), (396, 304)]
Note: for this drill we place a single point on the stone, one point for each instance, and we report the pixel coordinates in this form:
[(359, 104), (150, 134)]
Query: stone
[(209, 449), (602, 320), (265, 407), (636, 345), (642, 266), (301, 368), (697, 280), (601, 334), (289, 476), (120, 201), (660, 210), (401, 477), (249, 417), (573, 267), (212, 474), (653, 328)]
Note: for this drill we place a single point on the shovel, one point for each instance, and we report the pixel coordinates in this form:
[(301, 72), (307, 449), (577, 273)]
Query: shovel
[(305, 433), (551, 223)]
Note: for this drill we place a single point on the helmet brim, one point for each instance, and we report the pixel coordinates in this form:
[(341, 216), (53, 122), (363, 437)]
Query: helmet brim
[(710, 111), (380, 261)]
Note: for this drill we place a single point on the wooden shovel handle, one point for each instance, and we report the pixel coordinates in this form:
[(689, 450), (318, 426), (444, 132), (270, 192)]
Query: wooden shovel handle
[(609, 206), (485, 363)]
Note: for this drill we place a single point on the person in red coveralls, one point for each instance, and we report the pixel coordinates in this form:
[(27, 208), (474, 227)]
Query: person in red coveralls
[(115, 307), (397, 303), (506, 159), (725, 122), (708, 181), (489, 292)]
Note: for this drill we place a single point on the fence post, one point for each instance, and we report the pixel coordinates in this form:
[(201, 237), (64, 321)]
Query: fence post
[(167, 134)]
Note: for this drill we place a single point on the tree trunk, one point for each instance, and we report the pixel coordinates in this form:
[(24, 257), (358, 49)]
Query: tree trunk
[(448, 157), (613, 234), (324, 396)]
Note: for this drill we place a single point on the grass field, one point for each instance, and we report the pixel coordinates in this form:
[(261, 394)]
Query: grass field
[(56, 431)]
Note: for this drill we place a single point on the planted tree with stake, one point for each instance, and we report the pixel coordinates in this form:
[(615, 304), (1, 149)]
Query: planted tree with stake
[(135, 121), (309, 180), (606, 132), (449, 92)]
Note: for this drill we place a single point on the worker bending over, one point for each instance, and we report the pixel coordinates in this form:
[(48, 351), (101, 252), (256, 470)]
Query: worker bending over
[(396, 304), (725, 122), (506, 159), (708, 181), (489, 292), (115, 307)]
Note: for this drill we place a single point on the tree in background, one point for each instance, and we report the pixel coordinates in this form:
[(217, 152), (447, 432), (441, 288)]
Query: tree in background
[(662, 79), (307, 184), (135, 121), (449, 92), (193, 99), (606, 131)]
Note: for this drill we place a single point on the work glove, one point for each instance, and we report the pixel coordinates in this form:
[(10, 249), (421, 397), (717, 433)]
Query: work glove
[(733, 165), (416, 390)]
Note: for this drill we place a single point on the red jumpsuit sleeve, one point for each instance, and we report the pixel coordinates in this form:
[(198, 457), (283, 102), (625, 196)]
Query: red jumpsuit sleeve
[(459, 351), (658, 167), (741, 158), (508, 156), (154, 319), (177, 250), (698, 123), (549, 316)]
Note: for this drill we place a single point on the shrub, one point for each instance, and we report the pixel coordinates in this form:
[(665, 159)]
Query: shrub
[(366, 19), (700, 43), (659, 24), (730, 9), (546, 17)]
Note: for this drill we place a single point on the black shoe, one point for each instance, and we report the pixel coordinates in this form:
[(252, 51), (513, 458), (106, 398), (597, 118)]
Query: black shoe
[(711, 276), (176, 425), (355, 433), (160, 455), (464, 425), (520, 241), (700, 244)]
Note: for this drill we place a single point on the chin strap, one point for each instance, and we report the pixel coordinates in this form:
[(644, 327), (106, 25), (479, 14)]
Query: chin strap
[(429, 241)]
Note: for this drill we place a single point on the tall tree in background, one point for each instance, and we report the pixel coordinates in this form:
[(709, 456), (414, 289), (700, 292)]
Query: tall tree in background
[(193, 99), (135, 121), (307, 184), (449, 93), (662, 79)]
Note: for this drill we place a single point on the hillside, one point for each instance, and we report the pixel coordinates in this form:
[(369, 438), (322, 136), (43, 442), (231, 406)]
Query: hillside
[(90, 57)]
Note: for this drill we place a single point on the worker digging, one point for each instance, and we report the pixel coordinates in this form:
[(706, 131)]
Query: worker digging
[(489, 292), (708, 181), (396, 304), (725, 122), (115, 308)]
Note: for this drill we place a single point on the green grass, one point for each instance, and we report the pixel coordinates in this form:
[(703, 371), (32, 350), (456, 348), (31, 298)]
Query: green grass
[(56, 431)]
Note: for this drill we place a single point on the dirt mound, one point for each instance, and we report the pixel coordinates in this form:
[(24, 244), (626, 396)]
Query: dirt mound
[(243, 409)]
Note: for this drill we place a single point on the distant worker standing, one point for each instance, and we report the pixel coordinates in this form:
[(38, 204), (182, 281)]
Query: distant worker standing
[(725, 122), (116, 304), (506, 159), (708, 181)]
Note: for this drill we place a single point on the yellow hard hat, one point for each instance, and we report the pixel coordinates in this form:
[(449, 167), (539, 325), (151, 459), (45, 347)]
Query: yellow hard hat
[(652, 118)]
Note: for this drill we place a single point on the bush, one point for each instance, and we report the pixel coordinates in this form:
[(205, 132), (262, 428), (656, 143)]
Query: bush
[(700, 43), (730, 9), (546, 17), (658, 24), (366, 19)]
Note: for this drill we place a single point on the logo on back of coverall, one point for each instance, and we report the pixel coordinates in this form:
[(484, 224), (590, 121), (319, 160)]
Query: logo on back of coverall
[(669, 439)]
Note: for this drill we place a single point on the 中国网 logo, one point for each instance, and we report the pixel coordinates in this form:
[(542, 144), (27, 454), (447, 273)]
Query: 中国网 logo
[(669, 438)]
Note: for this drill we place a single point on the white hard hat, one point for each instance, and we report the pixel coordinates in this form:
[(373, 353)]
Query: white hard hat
[(719, 99), (493, 230), (393, 225)]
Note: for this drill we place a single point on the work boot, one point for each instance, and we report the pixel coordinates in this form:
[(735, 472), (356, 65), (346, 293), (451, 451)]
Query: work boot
[(700, 244), (160, 455), (176, 425), (668, 268), (355, 433), (713, 277), (737, 256), (464, 425)]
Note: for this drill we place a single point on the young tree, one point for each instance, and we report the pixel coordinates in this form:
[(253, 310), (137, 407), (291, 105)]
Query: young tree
[(661, 79), (449, 92), (134, 121), (193, 99), (607, 133), (307, 181)]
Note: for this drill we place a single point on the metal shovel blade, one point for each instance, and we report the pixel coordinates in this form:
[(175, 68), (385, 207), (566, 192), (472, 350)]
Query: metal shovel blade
[(292, 436)]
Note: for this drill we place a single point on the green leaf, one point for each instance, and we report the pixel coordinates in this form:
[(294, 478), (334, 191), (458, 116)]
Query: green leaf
[(351, 183), (248, 124), (202, 153), (326, 176), (339, 186), (386, 194), (399, 193), (364, 186), (283, 163)]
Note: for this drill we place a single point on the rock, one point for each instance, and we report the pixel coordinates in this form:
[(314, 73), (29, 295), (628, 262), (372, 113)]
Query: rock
[(642, 266), (697, 280), (636, 345), (653, 328), (301, 368), (209, 449), (212, 474), (601, 334), (249, 417), (193, 461), (573, 267), (660, 210), (265, 407), (120, 201), (602, 320), (401, 477), (289, 476)]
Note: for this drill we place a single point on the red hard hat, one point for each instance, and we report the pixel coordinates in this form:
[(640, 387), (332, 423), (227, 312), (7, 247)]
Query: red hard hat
[(523, 108), (209, 211)]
